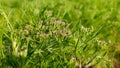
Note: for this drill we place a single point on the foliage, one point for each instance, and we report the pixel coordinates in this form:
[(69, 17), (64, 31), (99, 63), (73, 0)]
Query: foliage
[(58, 33)]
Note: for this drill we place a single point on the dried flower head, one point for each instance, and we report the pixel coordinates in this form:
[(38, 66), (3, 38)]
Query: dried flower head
[(63, 33), (44, 35), (59, 22), (40, 22), (73, 58)]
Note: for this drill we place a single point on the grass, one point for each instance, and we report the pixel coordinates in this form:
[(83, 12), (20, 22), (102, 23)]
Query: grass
[(58, 34)]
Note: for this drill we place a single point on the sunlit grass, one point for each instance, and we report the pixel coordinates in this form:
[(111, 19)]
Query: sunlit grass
[(58, 34)]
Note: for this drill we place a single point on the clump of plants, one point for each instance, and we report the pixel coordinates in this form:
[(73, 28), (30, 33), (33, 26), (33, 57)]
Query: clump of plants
[(40, 39), (52, 44)]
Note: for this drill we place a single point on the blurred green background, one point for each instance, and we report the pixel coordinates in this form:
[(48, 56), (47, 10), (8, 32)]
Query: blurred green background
[(89, 13)]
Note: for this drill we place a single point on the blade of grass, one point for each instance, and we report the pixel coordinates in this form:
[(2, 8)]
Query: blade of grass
[(1, 47), (7, 20)]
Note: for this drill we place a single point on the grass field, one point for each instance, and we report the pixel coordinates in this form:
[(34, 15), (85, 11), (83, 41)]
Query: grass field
[(59, 33)]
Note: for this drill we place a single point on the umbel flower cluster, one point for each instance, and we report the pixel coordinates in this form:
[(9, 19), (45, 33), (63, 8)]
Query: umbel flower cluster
[(42, 31)]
